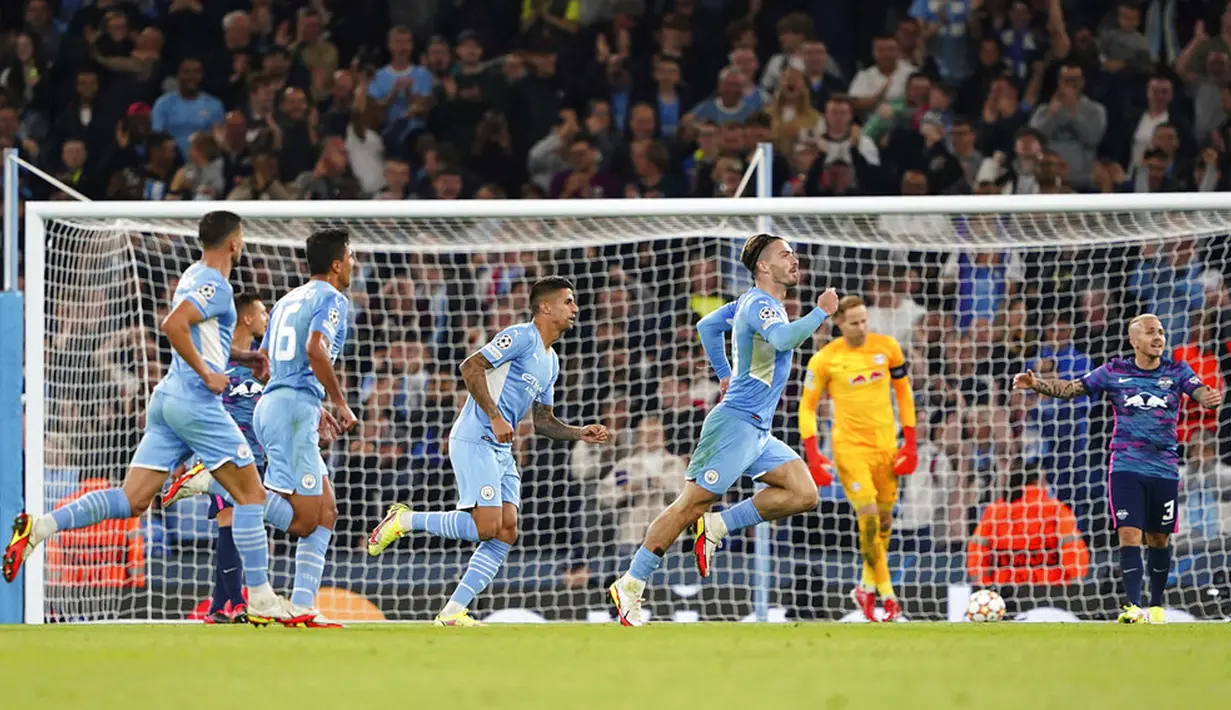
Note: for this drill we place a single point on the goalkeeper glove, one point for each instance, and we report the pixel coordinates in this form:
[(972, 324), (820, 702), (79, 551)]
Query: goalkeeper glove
[(819, 466), (908, 456)]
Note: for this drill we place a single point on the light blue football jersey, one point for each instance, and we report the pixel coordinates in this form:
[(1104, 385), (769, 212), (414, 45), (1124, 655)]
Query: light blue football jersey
[(523, 371), (315, 307), (210, 292), (759, 371)]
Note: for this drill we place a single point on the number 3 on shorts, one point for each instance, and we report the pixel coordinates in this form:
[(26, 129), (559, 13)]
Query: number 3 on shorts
[(1169, 511)]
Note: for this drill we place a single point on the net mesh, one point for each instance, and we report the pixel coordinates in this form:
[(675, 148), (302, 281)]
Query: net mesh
[(972, 299)]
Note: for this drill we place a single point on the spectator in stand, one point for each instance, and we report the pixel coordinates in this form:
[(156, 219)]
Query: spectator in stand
[(314, 52), (397, 181), (729, 105), (403, 88), (891, 310), (583, 179), (948, 27), (264, 182), (821, 74), (843, 140), (651, 163), (188, 109), (1027, 537), (794, 119), (794, 30), (1072, 124), (885, 80), (295, 135), (151, 181), (202, 177)]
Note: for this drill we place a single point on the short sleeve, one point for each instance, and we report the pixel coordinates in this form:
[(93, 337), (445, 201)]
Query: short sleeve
[(764, 317), (422, 82), (897, 360), (381, 86), (816, 378), (510, 343), (329, 316), (1190, 381), (211, 295), (547, 397), (1095, 380)]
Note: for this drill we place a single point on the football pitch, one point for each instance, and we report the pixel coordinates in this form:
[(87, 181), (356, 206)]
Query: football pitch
[(704, 666)]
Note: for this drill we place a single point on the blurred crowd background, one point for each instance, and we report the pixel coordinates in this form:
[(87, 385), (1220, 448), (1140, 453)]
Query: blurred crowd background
[(482, 99)]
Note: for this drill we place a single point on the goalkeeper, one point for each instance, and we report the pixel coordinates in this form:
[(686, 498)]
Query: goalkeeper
[(855, 371)]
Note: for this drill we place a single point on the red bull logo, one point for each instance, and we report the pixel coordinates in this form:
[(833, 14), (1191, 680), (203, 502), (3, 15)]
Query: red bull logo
[(859, 380), (877, 375)]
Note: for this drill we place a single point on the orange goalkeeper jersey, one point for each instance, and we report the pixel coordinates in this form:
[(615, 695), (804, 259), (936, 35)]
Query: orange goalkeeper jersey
[(857, 380)]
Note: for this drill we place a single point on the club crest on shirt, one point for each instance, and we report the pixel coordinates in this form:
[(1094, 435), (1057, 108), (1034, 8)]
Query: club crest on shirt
[(244, 451), (1195, 380), (1121, 514), (308, 481), (711, 476), (206, 291), (1165, 382), (487, 493)]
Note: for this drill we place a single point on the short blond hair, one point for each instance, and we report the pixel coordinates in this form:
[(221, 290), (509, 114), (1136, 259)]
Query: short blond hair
[(1137, 320), (846, 304)]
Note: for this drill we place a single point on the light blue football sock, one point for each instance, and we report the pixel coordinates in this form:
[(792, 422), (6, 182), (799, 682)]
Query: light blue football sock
[(310, 565), (484, 565)]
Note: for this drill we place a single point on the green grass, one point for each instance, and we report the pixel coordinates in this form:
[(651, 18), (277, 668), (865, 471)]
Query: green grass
[(702, 666)]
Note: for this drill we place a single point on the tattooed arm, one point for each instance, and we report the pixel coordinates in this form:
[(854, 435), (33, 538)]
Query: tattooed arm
[(545, 423), (1060, 389)]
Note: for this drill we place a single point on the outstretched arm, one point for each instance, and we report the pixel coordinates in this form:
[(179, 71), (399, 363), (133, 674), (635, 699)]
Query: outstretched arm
[(1208, 397), (1060, 389), (545, 423)]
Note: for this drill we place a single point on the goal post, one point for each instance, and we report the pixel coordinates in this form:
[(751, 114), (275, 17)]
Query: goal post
[(438, 277)]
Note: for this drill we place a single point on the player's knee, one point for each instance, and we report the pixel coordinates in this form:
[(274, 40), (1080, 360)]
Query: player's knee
[(137, 505), (1129, 537), (328, 516), (886, 521), (224, 517), (508, 534), (807, 498), (487, 526), (1157, 540)]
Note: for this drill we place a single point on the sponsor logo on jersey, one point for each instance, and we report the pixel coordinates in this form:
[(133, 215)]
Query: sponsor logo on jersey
[(533, 384), (487, 493), (710, 476), (1145, 400), (1165, 382), (247, 388), (859, 380), (876, 375)]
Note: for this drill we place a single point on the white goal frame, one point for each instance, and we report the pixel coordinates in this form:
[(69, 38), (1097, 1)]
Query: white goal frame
[(765, 209)]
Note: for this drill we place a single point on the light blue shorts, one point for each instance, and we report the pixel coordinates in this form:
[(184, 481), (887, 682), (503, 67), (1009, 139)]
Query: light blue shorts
[(177, 428), (730, 448), (286, 422), (486, 476)]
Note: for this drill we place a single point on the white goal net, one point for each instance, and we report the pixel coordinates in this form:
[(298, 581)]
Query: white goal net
[(973, 297)]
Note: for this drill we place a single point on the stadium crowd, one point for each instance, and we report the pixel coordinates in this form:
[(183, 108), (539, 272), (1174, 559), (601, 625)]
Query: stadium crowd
[(460, 99)]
